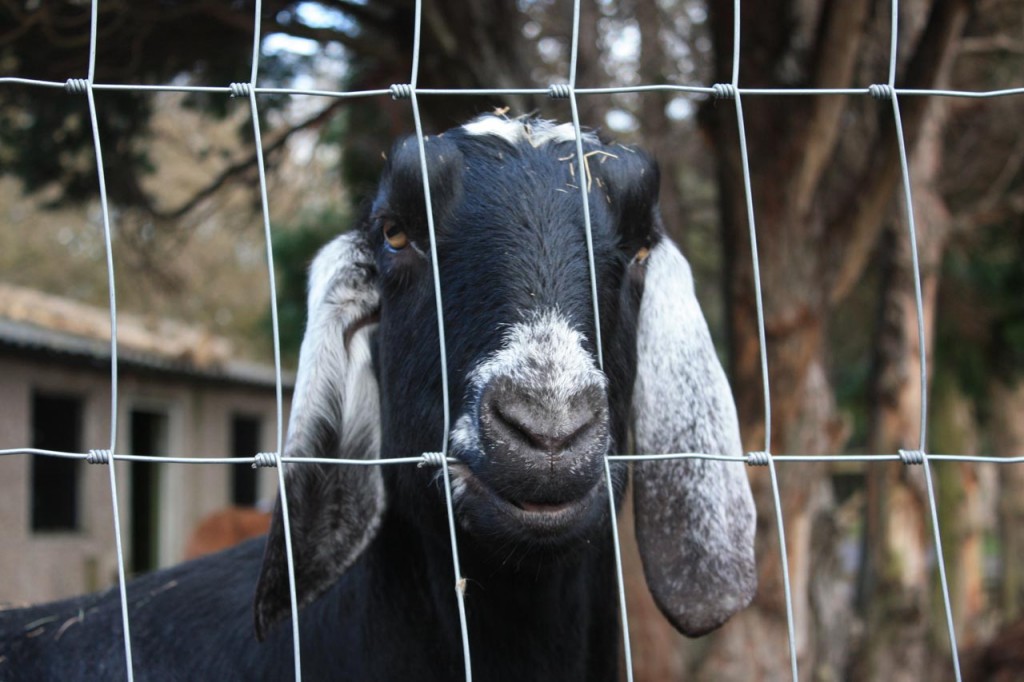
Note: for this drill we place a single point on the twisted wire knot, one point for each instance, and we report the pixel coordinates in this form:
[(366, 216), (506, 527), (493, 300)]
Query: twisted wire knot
[(76, 86), (758, 459), (880, 91), (723, 91), (910, 457), (263, 460), (560, 91), (240, 89), (401, 91), (98, 457), (432, 459)]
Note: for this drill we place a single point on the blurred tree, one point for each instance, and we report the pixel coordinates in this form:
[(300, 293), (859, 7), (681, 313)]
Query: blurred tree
[(45, 136), (465, 44), (895, 578), (826, 184), (980, 322), (824, 172)]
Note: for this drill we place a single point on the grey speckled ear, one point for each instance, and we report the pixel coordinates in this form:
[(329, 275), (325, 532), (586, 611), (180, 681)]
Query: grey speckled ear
[(334, 510), (694, 518)]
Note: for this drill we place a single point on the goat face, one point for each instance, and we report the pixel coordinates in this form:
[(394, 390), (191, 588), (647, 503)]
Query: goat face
[(530, 405), (533, 410)]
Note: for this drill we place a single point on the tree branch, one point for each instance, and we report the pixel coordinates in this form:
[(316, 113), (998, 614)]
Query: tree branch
[(1000, 186), (991, 214), (360, 44), (227, 17), (371, 14), (242, 165), (835, 58), (855, 228), (999, 43)]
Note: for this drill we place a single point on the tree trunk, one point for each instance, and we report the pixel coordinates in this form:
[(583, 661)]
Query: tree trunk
[(966, 498), (904, 619), (894, 588), (1008, 440), (803, 422)]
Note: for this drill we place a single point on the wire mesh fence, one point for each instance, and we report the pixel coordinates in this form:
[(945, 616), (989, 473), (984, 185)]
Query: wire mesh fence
[(888, 94)]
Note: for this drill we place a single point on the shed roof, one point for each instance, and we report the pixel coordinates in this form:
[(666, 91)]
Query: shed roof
[(35, 322)]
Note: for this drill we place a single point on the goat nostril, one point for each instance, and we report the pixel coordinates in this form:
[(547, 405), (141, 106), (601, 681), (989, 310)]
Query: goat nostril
[(548, 428), (514, 425), (549, 442)]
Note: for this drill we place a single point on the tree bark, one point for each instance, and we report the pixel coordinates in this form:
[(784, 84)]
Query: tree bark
[(894, 594), (904, 621), (1007, 400)]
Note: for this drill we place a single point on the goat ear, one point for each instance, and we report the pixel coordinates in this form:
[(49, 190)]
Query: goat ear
[(631, 179), (334, 510), (694, 517)]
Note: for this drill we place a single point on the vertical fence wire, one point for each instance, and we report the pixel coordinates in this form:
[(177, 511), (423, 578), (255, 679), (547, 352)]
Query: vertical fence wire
[(108, 246), (583, 175), (112, 291), (278, 389), (759, 299), (908, 201), (460, 581)]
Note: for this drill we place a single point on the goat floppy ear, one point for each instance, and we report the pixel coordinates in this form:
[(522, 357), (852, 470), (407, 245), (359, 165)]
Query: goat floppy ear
[(694, 517), (334, 510)]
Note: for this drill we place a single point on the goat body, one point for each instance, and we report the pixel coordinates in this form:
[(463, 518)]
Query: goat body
[(534, 414)]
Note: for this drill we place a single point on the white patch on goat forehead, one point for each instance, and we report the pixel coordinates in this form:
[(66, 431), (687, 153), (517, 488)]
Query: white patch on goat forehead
[(533, 131)]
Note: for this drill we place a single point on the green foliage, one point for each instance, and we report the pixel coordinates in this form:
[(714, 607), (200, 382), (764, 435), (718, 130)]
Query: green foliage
[(981, 316), (852, 333)]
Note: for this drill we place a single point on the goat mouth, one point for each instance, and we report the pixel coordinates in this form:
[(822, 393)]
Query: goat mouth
[(539, 518), (540, 508)]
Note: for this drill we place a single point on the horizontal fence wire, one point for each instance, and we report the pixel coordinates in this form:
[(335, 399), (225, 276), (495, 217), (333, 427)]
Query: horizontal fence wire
[(251, 90), (270, 459), (716, 90)]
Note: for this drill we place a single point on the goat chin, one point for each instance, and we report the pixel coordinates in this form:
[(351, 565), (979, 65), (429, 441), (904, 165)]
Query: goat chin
[(543, 387), (556, 527)]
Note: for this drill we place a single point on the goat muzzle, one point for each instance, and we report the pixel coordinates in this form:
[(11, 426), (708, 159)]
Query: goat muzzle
[(542, 449)]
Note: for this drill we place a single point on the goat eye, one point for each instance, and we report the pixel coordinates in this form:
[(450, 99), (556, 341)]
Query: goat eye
[(395, 236)]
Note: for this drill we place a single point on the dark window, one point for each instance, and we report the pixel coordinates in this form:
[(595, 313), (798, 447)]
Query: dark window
[(245, 442), (149, 436), (56, 425)]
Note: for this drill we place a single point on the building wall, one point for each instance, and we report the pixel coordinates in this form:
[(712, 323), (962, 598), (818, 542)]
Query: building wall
[(39, 566)]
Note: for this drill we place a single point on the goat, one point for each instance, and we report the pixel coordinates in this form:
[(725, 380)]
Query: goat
[(534, 417)]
